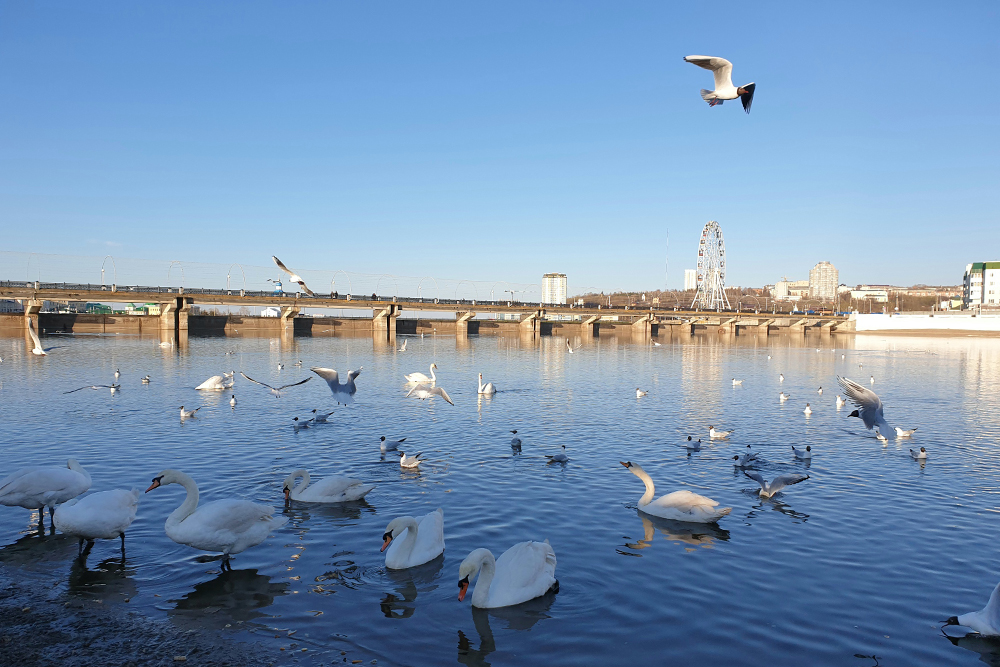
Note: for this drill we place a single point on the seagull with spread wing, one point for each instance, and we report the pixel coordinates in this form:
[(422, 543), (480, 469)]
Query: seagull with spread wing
[(343, 392), (724, 88), (869, 406), (295, 278), (768, 489), (112, 387), (275, 390), (37, 349)]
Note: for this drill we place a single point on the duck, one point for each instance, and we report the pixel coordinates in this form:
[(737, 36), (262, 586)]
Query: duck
[(420, 378), (408, 542), (639, 393), (808, 411), (782, 396), (558, 458), (524, 572), (40, 487), (488, 389), (681, 505), (229, 526), (326, 490), (905, 433), (919, 456), (719, 435), (104, 515), (986, 621), (803, 454), (768, 489), (390, 445), (409, 461)]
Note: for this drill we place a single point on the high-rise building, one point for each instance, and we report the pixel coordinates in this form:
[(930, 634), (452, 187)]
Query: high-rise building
[(690, 279), (823, 281), (981, 285), (554, 288)]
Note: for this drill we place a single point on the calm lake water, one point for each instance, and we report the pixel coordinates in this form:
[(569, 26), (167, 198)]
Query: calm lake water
[(867, 557)]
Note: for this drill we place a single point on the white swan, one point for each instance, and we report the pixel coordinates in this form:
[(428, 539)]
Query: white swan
[(680, 505), (421, 378), (38, 488), (228, 526), (489, 389), (37, 349), (986, 621), (104, 515), (327, 490), (423, 392), (524, 572), (343, 392), (409, 542), (218, 382), (722, 70)]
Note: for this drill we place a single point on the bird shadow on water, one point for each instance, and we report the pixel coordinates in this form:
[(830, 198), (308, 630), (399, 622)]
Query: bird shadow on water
[(39, 551), (407, 584), (987, 648), (300, 513), (110, 580), (518, 618), (774, 504), (234, 596), (688, 535)]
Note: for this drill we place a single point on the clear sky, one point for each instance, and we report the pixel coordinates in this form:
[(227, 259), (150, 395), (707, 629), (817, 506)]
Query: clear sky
[(503, 140)]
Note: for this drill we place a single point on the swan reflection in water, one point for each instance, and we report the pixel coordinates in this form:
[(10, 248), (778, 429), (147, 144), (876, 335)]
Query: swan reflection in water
[(689, 535), (987, 648), (109, 580), (301, 514), (39, 552), (233, 596), (517, 618), (407, 584)]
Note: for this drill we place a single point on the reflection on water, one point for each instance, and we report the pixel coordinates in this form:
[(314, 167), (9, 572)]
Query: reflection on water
[(233, 596), (39, 551), (109, 580), (690, 535), (987, 648), (407, 584), (517, 618)]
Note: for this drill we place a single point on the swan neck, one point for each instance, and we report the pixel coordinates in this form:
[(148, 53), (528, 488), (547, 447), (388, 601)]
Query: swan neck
[(410, 542), (433, 377), (487, 568), (190, 503), (648, 481), (75, 466), (300, 487)]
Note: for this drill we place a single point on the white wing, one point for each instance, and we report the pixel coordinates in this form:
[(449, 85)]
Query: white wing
[(331, 376), (34, 336), (781, 481), (721, 68), (868, 402), (756, 476), (254, 381), (686, 501), (442, 393)]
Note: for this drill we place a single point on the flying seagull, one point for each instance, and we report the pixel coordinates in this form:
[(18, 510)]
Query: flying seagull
[(869, 406), (275, 390), (112, 387), (423, 392), (768, 489), (37, 349), (724, 88), (343, 392), (292, 276)]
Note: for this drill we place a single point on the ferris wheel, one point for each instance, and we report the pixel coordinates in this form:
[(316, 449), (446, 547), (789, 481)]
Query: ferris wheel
[(711, 293)]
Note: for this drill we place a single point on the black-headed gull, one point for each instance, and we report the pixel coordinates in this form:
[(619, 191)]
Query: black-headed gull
[(423, 392), (515, 442), (782, 396), (639, 393), (768, 489), (343, 392), (919, 456), (747, 460), (185, 414), (986, 621), (558, 458), (320, 417), (693, 445), (869, 405), (803, 454), (719, 435), (901, 433), (389, 445), (409, 461), (808, 411), (275, 390), (722, 69), (292, 276), (37, 349)]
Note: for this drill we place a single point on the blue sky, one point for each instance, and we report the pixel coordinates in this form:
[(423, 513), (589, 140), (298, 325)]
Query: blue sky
[(502, 140)]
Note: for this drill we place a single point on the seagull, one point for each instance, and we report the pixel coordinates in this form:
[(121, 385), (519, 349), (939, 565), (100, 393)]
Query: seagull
[(724, 88), (558, 458), (37, 349), (298, 363), (117, 373), (901, 433), (389, 445), (985, 622), (409, 461), (423, 392), (275, 390), (639, 393), (769, 357), (768, 489), (112, 387), (881, 438), (515, 442), (299, 425), (873, 380), (319, 417), (746, 460), (569, 348), (803, 455), (781, 377), (293, 277), (718, 435), (281, 367), (693, 445), (783, 397), (343, 392), (402, 348), (820, 391), (869, 405), (737, 382), (655, 344), (808, 411), (919, 456), (145, 380), (840, 402), (232, 401), (188, 413)]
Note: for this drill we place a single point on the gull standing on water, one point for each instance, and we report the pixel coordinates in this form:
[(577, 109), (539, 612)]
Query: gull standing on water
[(292, 276), (275, 390), (768, 489), (722, 69)]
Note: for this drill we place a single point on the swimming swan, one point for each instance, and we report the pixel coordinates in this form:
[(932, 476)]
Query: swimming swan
[(524, 572), (326, 490), (409, 542), (421, 378), (228, 526), (489, 389), (679, 505), (217, 382)]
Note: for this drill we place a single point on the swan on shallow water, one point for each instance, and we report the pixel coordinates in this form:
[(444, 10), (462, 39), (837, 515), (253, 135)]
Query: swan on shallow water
[(985, 621), (228, 526), (408, 542), (37, 488), (326, 490), (680, 505), (421, 378), (104, 515), (524, 572), (768, 489)]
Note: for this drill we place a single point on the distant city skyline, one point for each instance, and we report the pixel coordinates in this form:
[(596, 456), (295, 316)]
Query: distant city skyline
[(485, 142)]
